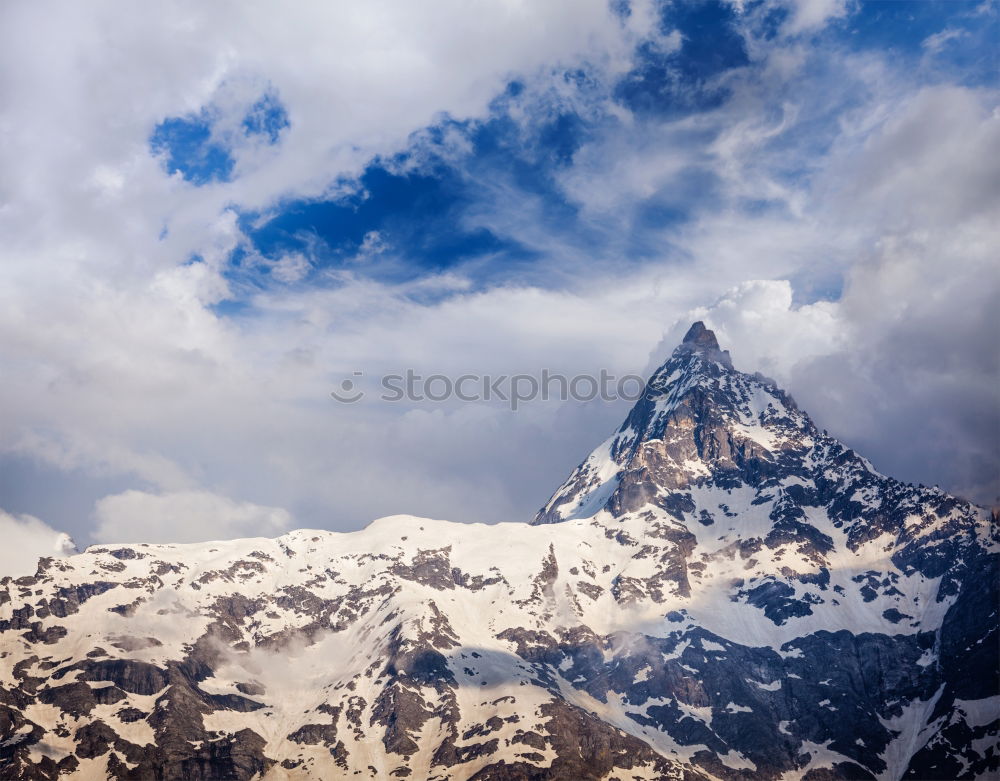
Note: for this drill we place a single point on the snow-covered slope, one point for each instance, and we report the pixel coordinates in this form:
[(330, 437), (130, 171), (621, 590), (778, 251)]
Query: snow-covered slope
[(720, 591)]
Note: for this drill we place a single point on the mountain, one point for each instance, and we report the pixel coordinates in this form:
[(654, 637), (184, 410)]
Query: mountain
[(719, 591)]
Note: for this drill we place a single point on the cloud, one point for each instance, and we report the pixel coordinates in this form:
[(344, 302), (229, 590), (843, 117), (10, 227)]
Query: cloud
[(372, 244), (291, 267), (826, 210), (811, 15), (26, 539), (760, 326), (935, 43), (183, 516)]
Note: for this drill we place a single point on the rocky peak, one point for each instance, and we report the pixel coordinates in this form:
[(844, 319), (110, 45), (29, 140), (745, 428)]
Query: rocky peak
[(702, 341), (700, 422), (698, 335)]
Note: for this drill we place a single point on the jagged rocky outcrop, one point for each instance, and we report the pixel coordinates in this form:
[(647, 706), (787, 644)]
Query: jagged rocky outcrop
[(719, 591)]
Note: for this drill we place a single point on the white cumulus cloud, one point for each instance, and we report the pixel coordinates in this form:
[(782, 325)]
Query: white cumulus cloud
[(183, 516), (25, 540)]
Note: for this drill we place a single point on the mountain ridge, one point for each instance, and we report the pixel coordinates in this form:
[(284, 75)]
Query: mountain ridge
[(719, 591)]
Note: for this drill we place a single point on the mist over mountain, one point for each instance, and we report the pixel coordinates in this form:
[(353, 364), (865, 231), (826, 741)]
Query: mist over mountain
[(720, 590)]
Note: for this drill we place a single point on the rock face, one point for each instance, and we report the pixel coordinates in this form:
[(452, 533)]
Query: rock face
[(719, 591)]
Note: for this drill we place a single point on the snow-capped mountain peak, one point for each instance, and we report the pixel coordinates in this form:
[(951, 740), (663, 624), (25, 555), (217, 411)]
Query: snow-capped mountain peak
[(699, 422), (720, 591), (700, 340)]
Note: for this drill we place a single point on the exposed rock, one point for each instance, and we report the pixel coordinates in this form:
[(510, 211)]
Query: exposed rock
[(734, 595)]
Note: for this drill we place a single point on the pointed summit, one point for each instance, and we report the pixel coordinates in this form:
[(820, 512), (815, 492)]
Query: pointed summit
[(700, 424), (701, 340), (699, 336)]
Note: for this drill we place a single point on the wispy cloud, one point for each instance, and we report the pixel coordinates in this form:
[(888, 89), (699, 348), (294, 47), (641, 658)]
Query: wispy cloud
[(184, 516), (26, 540), (936, 42)]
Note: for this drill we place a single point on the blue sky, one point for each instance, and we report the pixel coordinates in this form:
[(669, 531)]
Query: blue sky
[(420, 208), (250, 214)]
